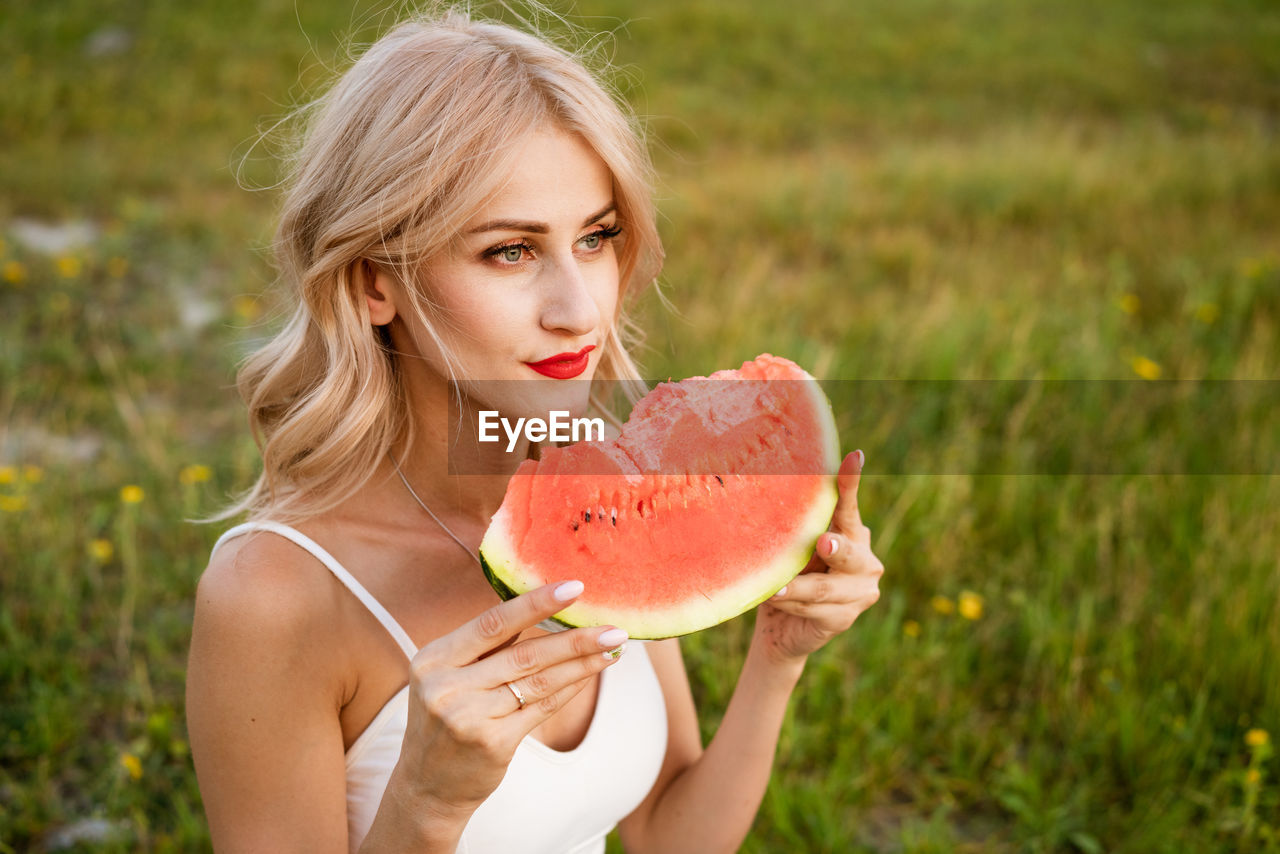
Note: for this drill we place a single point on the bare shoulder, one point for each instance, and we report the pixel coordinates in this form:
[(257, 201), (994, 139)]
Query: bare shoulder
[(260, 582), (263, 691)]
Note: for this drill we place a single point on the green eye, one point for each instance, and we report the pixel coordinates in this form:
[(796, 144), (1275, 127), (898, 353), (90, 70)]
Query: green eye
[(512, 254), (591, 241)]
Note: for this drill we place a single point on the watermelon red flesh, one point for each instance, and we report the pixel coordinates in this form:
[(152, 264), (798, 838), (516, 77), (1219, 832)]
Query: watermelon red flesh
[(709, 501)]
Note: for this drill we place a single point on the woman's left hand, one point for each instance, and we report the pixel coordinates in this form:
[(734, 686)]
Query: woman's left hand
[(841, 580)]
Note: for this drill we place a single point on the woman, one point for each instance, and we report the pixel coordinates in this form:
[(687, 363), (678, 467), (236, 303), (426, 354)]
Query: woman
[(469, 203)]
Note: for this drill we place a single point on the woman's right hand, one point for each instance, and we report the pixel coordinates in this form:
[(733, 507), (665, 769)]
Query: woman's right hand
[(465, 723)]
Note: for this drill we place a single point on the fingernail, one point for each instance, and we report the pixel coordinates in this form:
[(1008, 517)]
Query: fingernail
[(832, 545), (612, 638), (615, 653), (862, 459), (568, 590), (781, 593)]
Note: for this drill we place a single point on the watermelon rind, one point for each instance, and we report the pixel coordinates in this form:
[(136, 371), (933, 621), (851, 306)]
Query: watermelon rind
[(498, 557)]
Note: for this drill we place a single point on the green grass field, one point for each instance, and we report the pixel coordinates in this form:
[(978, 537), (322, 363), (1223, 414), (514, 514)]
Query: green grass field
[(917, 190)]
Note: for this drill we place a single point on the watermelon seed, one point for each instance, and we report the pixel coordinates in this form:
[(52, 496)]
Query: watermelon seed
[(613, 516), (720, 479), (586, 516), (575, 524)]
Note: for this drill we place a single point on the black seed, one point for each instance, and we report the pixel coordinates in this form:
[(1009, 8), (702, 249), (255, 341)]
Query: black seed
[(575, 525), (720, 479), (586, 516)]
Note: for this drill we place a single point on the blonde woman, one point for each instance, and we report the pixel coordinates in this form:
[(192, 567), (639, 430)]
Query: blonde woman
[(469, 203)]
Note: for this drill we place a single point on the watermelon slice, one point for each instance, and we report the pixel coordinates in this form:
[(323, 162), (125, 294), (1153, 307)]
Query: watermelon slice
[(710, 500)]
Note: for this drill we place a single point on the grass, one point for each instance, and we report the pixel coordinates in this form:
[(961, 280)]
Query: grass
[(888, 192)]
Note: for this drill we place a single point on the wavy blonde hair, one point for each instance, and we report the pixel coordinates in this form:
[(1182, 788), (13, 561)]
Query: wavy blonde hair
[(399, 154)]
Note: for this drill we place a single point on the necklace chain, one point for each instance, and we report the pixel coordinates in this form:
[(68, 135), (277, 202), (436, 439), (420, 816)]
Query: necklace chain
[(424, 506)]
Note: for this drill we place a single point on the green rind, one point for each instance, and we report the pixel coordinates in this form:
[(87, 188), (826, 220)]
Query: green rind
[(497, 556)]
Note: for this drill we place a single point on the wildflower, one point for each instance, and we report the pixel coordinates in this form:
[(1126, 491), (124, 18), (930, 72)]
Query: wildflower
[(117, 267), (13, 503), (1252, 776), (943, 605), (131, 764), (195, 473), (69, 266), (32, 474), (8, 474), (132, 494), (1130, 304), (101, 550), (1207, 313), (970, 605), (1257, 737), (15, 272), (246, 307), (911, 628), (1145, 368)]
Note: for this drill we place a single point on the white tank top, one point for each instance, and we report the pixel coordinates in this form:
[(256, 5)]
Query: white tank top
[(550, 801)]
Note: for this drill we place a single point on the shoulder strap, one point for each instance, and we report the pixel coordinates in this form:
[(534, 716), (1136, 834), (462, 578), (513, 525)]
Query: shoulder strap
[(375, 607)]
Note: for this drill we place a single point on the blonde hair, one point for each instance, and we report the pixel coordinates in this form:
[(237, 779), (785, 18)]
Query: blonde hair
[(397, 157)]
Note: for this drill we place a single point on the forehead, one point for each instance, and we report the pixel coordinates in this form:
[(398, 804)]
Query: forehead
[(555, 177)]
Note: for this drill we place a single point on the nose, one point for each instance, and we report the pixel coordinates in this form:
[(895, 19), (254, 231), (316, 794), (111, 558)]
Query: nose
[(568, 304)]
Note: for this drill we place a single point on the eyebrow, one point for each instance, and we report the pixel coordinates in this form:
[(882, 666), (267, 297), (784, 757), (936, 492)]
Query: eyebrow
[(536, 227)]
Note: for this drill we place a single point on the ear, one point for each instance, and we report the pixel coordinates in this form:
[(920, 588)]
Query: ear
[(378, 289)]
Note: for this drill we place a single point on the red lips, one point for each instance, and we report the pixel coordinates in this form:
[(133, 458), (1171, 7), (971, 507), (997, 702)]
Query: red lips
[(563, 366)]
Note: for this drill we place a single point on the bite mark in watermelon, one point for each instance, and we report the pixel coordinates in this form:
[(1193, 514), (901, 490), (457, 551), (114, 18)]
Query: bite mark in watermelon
[(709, 501)]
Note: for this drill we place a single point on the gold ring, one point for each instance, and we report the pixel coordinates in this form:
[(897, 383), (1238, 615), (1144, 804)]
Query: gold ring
[(516, 691)]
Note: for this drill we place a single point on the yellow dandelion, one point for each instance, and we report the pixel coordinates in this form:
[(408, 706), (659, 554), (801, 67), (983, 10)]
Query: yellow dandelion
[(32, 474), (131, 764), (970, 605), (1145, 368), (942, 605), (195, 473), (101, 550), (117, 267), (1257, 737), (68, 266), (1253, 776), (911, 629), (1130, 304), (15, 272), (132, 494), (13, 503), (247, 307), (1207, 313), (8, 474)]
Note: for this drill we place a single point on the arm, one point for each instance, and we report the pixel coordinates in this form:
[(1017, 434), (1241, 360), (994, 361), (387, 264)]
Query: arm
[(706, 801)]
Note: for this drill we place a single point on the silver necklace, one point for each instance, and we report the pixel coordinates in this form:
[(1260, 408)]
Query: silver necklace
[(424, 506)]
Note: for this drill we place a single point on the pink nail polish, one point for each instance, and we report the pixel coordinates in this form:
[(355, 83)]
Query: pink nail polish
[(568, 590)]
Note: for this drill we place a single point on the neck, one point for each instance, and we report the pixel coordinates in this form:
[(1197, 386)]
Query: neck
[(449, 470)]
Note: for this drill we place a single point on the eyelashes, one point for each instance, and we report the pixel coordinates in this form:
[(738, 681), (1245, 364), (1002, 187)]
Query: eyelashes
[(513, 252)]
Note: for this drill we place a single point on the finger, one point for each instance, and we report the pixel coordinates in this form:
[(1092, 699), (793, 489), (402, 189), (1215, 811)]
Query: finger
[(541, 684), (496, 626), (516, 726), (829, 616), (846, 555), (846, 518), (537, 654), (817, 587)]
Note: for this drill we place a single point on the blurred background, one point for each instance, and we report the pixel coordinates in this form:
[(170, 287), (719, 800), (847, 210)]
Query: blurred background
[(919, 189)]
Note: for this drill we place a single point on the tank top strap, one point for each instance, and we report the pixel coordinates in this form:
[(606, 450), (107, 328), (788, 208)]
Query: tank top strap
[(349, 581)]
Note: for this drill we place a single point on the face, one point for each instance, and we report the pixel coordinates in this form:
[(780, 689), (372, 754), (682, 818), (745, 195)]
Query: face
[(530, 285)]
